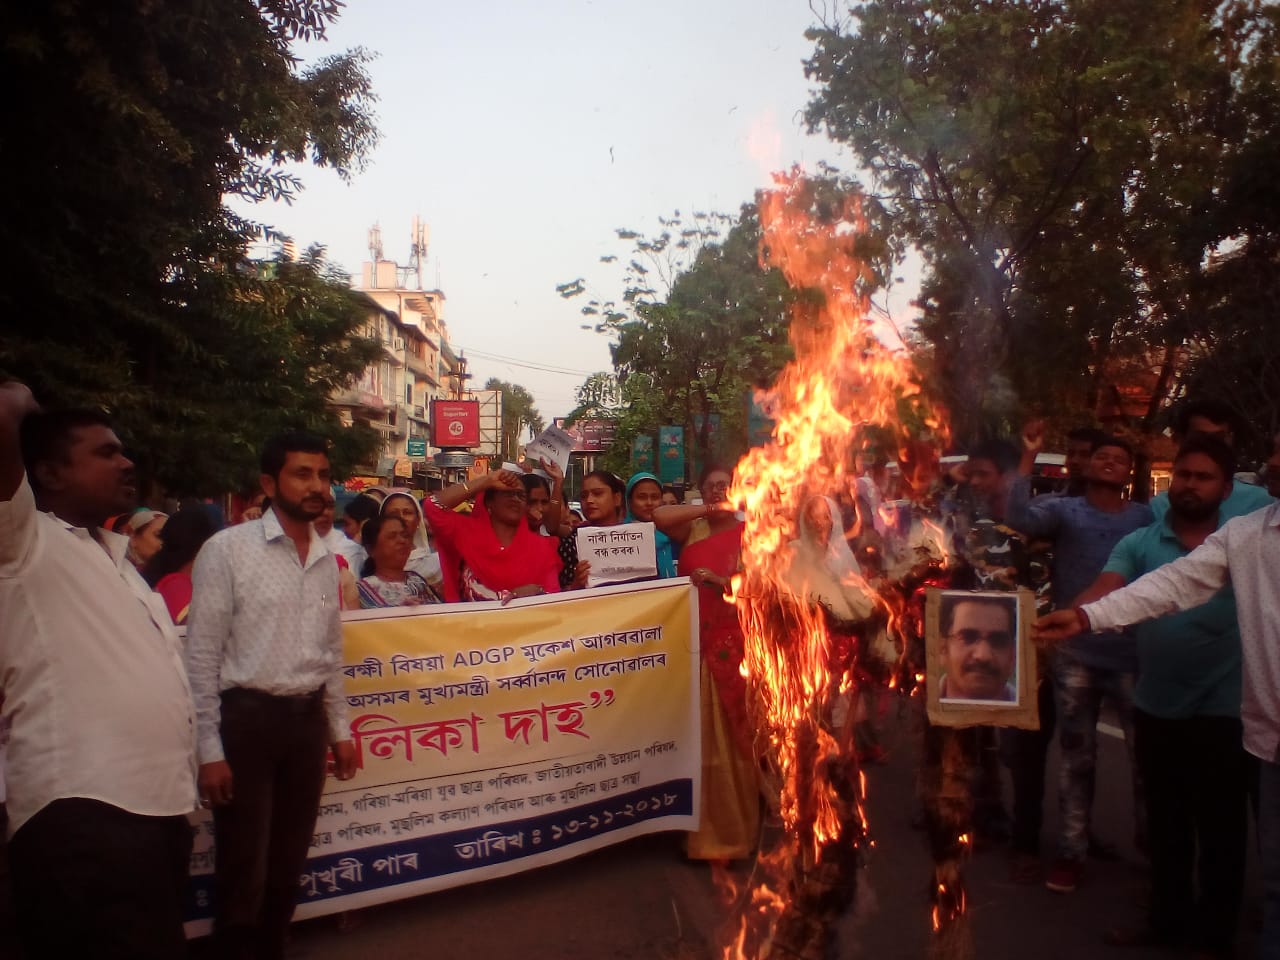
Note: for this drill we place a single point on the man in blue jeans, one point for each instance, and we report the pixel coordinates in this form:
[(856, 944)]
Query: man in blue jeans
[(1245, 553), (1084, 530)]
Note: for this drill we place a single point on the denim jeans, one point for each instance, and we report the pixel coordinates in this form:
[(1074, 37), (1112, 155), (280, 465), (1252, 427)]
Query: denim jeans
[(1080, 690)]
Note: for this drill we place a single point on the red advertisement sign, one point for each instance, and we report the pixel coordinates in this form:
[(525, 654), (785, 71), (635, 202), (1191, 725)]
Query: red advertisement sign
[(455, 423)]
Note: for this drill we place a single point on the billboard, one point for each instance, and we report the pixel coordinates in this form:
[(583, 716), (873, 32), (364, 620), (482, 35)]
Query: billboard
[(671, 454), (590, 436), (642, 459), (455, 423), (490, 422)]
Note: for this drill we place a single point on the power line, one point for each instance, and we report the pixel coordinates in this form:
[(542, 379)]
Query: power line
[(540, 367)]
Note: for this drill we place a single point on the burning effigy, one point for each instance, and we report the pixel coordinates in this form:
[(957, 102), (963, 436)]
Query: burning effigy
[(818, 626)]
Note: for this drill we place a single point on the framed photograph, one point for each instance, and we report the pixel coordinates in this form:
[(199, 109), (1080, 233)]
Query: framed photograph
[(980, 659)]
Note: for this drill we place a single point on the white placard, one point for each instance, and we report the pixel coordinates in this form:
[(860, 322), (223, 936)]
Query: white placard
[(618, 554), (553, 445)]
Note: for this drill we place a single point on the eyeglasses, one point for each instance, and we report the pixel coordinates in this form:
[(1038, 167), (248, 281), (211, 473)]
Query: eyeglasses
[(514, 494), (996, 638)]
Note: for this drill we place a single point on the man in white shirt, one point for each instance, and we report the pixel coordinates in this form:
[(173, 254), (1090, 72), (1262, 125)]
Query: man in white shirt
[(264, 656), (100, 766), (1245, 553)]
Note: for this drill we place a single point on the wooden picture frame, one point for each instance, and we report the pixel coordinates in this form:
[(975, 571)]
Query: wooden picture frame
[(971, 682)]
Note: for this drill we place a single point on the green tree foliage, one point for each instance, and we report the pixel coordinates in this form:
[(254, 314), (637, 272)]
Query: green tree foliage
[(700, 323), (1068, 172), (521, 421), (599, 398), (128, 124)]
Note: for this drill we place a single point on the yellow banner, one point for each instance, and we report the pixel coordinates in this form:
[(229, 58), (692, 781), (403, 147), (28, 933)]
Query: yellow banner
[(495, 739)]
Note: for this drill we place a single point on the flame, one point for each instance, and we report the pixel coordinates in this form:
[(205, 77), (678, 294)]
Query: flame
[(800, 674)]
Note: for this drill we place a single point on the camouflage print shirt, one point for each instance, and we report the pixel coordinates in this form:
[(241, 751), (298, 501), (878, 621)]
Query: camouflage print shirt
[(990, 555)]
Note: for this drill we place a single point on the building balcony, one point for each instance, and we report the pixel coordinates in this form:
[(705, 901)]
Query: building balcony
[(358, 399)]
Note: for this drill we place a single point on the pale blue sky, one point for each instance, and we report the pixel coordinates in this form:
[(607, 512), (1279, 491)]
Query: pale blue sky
[(524, 133)]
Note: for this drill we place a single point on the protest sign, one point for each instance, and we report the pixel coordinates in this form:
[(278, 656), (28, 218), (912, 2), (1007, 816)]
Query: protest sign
[(619, 553), (552, 445), (491, 740)]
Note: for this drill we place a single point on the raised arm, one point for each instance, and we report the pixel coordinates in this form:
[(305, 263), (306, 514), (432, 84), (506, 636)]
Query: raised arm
[(1036, 518), (17, 502), (15, 403), (459, 493), (676, 519), (555, 509), (1187, 582)]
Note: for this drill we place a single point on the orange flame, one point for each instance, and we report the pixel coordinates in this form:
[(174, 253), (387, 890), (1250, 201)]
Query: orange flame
[(802, 678)]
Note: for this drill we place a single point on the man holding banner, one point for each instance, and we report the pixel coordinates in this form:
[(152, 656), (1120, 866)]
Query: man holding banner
[(264, 657)]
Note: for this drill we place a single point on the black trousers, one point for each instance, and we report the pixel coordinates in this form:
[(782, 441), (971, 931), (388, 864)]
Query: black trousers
[(277, 750), (90, 879), (1025, 753), (1196, 773)]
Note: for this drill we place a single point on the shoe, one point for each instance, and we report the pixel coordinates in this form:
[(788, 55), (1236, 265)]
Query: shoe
[(1064, 876)]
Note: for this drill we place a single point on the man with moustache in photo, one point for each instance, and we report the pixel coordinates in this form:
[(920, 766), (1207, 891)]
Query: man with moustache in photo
[(979, 649), (264, 656)]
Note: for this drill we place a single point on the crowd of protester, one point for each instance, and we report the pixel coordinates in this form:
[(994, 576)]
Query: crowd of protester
[(120, 729)]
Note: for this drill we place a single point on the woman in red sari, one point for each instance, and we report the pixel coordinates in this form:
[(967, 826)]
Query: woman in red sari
[(730, 778), (490, 553)]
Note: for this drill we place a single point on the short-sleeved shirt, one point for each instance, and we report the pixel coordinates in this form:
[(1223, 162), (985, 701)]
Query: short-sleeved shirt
[(1188, 663), (1244, 498), (1083, 538)]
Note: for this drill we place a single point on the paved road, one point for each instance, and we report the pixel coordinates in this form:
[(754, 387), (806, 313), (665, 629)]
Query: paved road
[(641, 899)]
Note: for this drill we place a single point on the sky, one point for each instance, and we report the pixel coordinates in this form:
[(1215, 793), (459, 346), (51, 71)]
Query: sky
[(525, 133)]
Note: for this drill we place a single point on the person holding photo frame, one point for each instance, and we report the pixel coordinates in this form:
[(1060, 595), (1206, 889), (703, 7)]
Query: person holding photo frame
[(996, 557)]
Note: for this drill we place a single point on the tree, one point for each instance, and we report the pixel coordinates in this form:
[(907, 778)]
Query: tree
[(290, 331), (1063, 170), (691, 337), (521, 421), (599, 398), (129, 124)]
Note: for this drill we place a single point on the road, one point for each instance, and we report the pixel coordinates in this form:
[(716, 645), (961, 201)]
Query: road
[(642, 901)]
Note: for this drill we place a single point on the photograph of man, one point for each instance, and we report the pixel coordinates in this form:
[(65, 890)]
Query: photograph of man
[(979, 646)]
